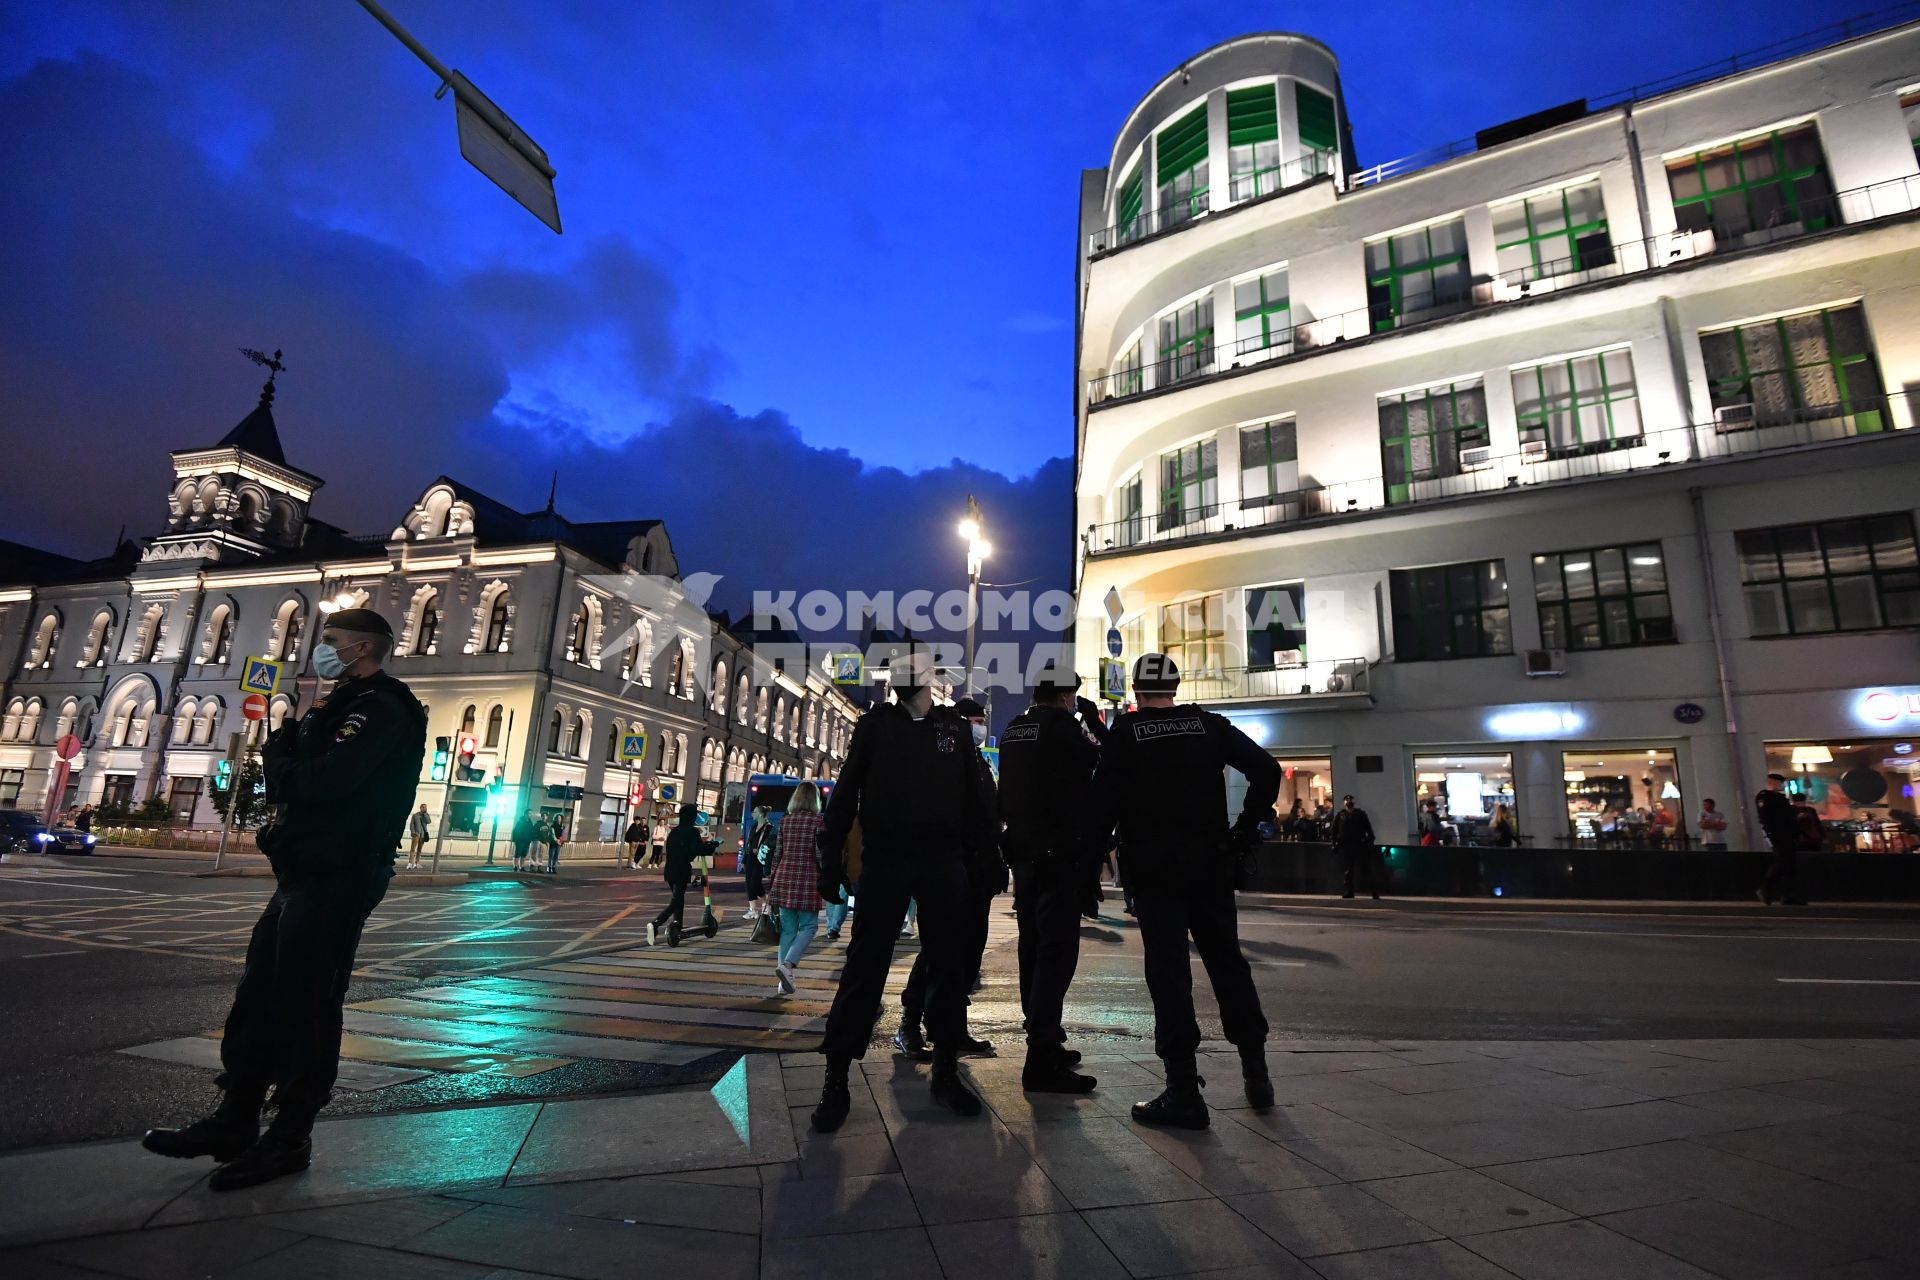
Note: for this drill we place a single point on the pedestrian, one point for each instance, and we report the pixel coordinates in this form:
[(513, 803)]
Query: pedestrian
[(339, 782), (634, 837), (753, 860), (1713, 826), (1501, 829), (83, 821), (912, 779), (685, 843), (1782, 829), (524, 831), (1047, 758), (417, 831), (1352, 835), (794, 887), (1294, 828), (1162, 782), (986, 880), (838, 908), (556, 835)]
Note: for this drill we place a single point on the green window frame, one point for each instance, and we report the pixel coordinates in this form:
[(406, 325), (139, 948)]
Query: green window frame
[(1128, 378), (1766, 180), (1269, 463), (1416, 271), (1253, 142), (1186, 341), (1182, 146), (1128, 505), (1318, 124), (1422, 433), (1194, 634), (1603, 597), (1189, 483), (1276, 622), (1837, 575), (1541, 235), (1450, 611), (1582, 404), (1132, 195), (1262, 316), (1910, 114), (1812, 366)]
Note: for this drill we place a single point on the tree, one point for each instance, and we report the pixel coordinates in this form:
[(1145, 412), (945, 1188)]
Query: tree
[(248, 796)]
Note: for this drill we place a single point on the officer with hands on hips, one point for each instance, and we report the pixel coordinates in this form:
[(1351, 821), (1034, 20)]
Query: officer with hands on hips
[(339, 785), (1162, 781), (1047, 757)]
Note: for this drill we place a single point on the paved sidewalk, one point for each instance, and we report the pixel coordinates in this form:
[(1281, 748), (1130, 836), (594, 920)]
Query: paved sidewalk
[(1557, 1160)]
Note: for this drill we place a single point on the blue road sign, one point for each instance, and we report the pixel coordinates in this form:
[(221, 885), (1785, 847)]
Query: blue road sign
[(1113, 642)]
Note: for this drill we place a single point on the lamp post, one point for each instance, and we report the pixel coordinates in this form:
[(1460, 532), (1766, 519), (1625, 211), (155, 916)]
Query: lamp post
[(978, 549)]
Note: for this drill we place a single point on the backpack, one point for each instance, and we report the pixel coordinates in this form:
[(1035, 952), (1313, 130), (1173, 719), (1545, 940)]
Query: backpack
[(1813, 835)]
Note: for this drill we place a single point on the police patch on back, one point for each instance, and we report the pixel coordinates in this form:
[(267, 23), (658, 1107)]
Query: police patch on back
[(1020, 733), (1153, 728)]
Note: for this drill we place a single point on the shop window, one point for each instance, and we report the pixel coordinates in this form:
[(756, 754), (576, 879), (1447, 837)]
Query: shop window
[(1276, 626), (1554, 233), (1465, 790), (1432, 433), (1194, 633), (1817, 366), (1585, 404), (183, 797), (11, 782), (117, 791), (1416, 273), (1774, 181), (1625, 798), (1269, 463), (1604, 598), (1451, 611), (1839, 575), (1863, 789)]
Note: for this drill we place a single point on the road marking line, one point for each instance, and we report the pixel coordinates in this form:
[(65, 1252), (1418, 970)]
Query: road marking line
[(1856, 982), (41, 955), (598, 929)]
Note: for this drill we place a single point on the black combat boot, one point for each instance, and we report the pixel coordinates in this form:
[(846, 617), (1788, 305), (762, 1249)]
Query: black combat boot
[(948, 1089), (285, 1148), (835, 1102), (1049, 1070), (911, 1043), (1179, 1105), (1253, 1070), (230, 1130)]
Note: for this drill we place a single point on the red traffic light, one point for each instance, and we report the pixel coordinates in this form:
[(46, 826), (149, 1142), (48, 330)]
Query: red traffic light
[(469, 745)]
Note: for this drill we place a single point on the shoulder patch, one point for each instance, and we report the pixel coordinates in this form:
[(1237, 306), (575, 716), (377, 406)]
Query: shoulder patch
[(350, 727), (1154, 728)]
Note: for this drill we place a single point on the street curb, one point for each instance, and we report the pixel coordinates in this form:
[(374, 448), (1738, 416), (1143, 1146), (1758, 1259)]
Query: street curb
[(1580, 906)]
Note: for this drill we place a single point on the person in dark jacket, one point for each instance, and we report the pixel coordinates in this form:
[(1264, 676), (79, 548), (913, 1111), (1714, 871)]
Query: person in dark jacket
[(1162, 781), (525, 829), (1781, 827), (913, 780), (1352, 835), (339, 784), (1047, 758), (685, 845)]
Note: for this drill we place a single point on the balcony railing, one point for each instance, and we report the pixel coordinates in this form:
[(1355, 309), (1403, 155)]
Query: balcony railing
[(1319, 678), (1246, 188), (1736, 432), (1597, 259)]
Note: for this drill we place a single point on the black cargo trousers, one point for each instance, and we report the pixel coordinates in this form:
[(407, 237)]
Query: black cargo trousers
[(977, 914), (1191, 896), (1047, 894), (889, 878)]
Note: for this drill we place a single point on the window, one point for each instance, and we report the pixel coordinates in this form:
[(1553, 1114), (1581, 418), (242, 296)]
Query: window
[(495, 721), (1551, 234), (1261, 322), (1465, 791), (1269, 463), (1814, 366), (1451, 611), (577, 634), (1852, 783), (1625, 797), (1415, 272), (469, 719), (499, 616), (288, 623), (429, 627), (1186, 341), (1771, 180), (613, 743), (116, 791), (1128, 504), (1319, 129), (1132, 193), (146, 645), (99, 640), (1183, 166), (1424, 433), (1189, 483), (1579, 405), (1840, 575), (577, 737), (219, 645), (1276, 626), (183, 796), (1194, 634), (1253, 142), (1910, 112), (556, 726), (1604, 598), (11, 783), (46, 642)]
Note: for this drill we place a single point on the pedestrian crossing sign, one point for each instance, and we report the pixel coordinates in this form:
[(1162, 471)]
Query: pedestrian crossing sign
[(261, 675), (848, 668), (633, 746), (1113, 679)]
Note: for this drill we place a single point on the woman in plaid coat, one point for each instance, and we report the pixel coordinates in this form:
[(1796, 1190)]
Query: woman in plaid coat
[(795, 886)]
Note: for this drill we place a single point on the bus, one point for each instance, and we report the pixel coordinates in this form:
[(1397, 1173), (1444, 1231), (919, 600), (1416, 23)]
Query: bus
[(769, 791)]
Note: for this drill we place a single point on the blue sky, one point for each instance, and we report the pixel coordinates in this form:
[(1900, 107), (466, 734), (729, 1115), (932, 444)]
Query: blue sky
[(816, 283)]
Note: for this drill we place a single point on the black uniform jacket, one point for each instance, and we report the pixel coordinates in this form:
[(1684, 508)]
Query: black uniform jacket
[(1352, 828), (1162, 782), (917, 786), (343, 779), (1047, 758)]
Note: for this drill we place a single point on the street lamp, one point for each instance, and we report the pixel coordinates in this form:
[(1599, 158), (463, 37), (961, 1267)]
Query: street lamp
[(978, 549)]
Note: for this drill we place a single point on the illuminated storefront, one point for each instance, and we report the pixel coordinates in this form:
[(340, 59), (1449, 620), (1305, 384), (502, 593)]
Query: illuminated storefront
[(1862, 788), (1623, 796)]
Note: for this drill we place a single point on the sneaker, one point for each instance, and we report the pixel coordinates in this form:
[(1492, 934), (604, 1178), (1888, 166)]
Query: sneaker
[(833, 935), (784, 972), (653, 931)]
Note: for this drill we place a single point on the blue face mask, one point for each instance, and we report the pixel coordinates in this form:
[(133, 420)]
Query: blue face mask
[(327, 661)]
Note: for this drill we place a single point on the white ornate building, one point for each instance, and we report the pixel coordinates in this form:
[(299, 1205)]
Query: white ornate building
[(523, 631)]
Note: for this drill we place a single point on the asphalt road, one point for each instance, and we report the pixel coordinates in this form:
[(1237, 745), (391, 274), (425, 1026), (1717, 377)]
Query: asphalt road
[(102, 955)]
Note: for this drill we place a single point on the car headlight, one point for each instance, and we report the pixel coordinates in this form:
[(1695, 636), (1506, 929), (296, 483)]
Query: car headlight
[(43, 837), (92, 839)]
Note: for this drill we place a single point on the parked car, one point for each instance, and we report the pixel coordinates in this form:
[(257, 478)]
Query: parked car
[(20, 831)]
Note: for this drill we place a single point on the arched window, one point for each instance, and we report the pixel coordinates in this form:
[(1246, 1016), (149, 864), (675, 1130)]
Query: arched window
[(793, 727), (613, 742), (46, 642), (146, 641), (289, 622), (556, 726), (743, 700), (99, 640), (130, 722), (577, 634), (638, 664), (277, 713), (469, 719), (209, 723), (429, 641), (218, 646), (718, 700), (183, 721), (10, 728), (760, 710), (780, 720), (680, 753), (69, 716), (577, 737), (496, 719), (496, 619)]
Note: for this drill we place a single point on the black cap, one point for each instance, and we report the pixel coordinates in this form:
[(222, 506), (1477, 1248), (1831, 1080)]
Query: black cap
[(367, 622), (1776, 777), (1055, 677), (1155, 673), (970, 709)]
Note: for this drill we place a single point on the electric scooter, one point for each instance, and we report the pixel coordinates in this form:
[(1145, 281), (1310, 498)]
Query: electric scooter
[(709, 922)]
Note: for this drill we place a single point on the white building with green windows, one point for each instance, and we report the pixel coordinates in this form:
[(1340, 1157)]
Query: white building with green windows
[(1572, 468)]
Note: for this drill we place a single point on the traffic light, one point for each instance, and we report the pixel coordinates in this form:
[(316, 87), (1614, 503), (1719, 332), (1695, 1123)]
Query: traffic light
[(440, 748), (222, 774)]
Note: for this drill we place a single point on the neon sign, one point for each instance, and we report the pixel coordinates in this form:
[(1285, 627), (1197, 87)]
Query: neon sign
[(1535, 722), (1887, 706)]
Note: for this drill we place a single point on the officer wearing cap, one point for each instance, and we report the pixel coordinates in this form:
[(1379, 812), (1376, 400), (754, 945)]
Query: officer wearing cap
[(1047, 757), (339, 784), (987, 879), (913, 781), (1162, 781)]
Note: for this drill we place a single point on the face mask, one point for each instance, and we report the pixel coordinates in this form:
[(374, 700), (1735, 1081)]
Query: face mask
[(327, 661), (979, 735)]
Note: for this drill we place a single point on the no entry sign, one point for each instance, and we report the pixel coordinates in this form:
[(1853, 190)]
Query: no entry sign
[(254, 707)]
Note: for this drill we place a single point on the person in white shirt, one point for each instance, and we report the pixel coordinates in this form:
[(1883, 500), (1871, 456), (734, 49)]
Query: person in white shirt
[(1713, 826)]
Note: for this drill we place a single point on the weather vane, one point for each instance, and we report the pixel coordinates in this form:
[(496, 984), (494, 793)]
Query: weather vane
[(266, 361)]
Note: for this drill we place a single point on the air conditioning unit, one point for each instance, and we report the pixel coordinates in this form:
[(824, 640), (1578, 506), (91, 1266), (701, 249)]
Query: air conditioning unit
[(1682, 245), (1733, 417), (1336, 683), (1477, 458), (1533, 451), (1544, 662)]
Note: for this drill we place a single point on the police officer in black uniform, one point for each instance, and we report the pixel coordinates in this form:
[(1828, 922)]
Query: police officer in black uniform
[(1162, 779), (987, 878), (339, 783), (912, 778), (1047, 757)]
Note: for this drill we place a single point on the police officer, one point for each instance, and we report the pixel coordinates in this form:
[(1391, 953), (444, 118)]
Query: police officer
[(1162, 779), (913, 781), (339, 783), (987, 879), (1047, 757)]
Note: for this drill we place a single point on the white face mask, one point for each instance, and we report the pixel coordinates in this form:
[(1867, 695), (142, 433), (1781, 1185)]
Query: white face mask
[(979, 735)]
